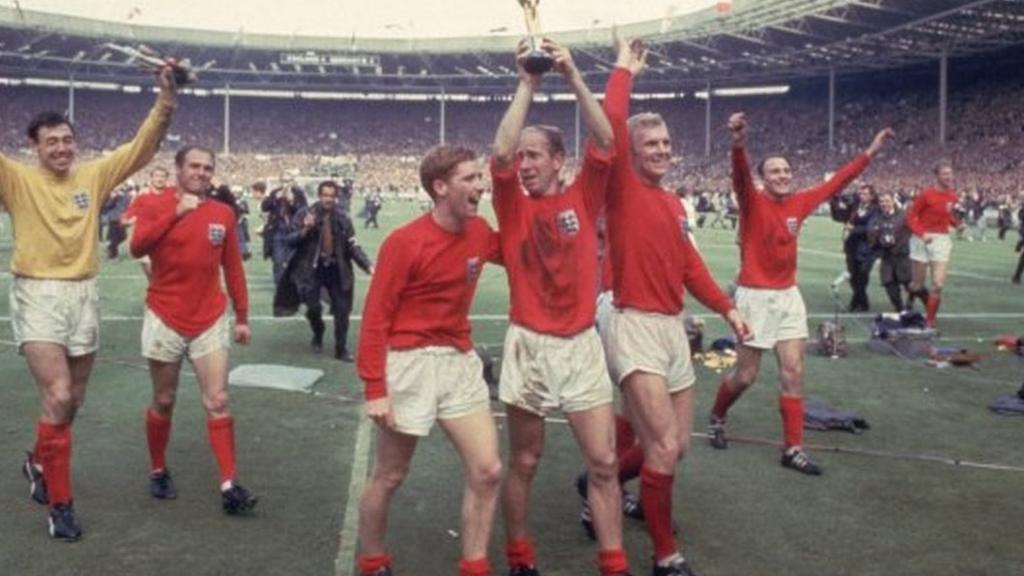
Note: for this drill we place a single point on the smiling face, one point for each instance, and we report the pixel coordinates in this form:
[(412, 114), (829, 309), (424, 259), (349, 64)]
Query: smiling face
[(195, 172), (460, 192), (652, 152), (539, 167), (777, 176), (945, 176), (56, 148)]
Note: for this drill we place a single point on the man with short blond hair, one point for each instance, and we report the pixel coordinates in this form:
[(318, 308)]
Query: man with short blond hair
[(417, 359)]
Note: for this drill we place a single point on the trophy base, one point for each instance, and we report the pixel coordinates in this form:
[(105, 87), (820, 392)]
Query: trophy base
[(538, 62)]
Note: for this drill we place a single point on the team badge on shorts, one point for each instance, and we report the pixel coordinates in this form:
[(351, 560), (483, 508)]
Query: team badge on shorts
[(216, 234), (568, 222), (793, 225), (472, 268), (80, 199)]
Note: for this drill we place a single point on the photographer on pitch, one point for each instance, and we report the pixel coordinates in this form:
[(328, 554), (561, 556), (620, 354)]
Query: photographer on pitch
[(889, 237)]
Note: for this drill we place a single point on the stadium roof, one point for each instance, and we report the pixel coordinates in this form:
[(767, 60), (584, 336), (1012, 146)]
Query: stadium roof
[(754, 41)]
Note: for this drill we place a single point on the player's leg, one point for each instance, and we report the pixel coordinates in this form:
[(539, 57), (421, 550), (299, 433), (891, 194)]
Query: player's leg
[(476, 439), (594, 429), (390, 467), (525, 445), (790, 356)]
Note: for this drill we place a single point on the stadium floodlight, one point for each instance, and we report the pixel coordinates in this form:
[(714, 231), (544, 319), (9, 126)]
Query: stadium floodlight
[(752, 91)]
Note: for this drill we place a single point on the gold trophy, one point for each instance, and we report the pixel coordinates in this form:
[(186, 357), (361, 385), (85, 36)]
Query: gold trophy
[(150, 59), (537, 61)]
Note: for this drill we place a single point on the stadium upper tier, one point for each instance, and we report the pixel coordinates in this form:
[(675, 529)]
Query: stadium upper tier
[(755, 41)]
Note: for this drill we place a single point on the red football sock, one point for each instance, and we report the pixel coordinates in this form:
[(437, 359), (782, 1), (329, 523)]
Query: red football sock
[(158, 434), (792, 410), (630, 463), (932, 308), (656, 499), (625, 438), (55, 455), (520, 552), (725, 398), (222, 440), (477, 567), (369, 564), (612, 562)]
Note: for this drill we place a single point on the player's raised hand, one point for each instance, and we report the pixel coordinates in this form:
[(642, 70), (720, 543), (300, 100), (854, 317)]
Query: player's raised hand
[(880, 139), (738, 128), (629, 54), (379, 410), (564, 63), (186, 203), (522, 52), (165, 78)]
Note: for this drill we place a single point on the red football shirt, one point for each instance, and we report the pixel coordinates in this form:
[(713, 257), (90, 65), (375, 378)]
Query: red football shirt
[(932, 212), (421, 291), (187, 255), (549, 247), (652, 256), (770, 225)]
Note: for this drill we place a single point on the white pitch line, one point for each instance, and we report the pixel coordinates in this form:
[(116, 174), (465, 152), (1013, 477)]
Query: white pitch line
[(344, 562), (503, 317)]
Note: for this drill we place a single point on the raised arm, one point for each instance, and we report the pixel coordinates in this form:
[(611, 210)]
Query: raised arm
[(132, 156), (842, 178), (506, 139), (590, 110), (742, 180)]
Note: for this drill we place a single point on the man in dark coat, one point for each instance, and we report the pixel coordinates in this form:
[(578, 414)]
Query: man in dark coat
[(325, 248), (889, 236), (860, 258)]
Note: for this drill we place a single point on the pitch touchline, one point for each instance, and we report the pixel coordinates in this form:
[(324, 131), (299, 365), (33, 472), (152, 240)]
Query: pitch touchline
[(502, 317)]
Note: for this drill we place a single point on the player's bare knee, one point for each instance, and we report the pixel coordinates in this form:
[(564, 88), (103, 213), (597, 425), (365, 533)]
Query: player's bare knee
[(485, 476), (58, 403), (390, 479), (163, 402), (664, 450), (217, 404), (603, 468), (524, 463)]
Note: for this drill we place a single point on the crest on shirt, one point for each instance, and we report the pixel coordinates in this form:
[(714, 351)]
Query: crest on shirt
[(216, 234), (472, 268), (80, 199), (793, 225), (568, 222)]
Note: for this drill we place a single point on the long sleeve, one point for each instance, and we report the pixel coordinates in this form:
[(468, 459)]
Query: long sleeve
[(742, 180), (814, 197), (155, 217), (616, 107), (700, 283), (234, 275), (597, 167), (382, 301), (914, 216), (132, 156)]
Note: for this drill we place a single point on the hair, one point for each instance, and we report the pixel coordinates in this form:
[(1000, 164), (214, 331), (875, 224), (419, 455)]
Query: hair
[(439, 163), (179, 156), (326, 184), (158, 169), (47, 119), (259, 186), (760, 165), (944, 163), (871, 189), (643, 121), (553, 136), (888, 193)]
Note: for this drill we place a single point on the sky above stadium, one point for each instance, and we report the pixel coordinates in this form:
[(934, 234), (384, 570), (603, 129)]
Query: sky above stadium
[(367, 18)]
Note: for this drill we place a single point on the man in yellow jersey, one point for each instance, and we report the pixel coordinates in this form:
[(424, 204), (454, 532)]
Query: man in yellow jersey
[(54, 209)]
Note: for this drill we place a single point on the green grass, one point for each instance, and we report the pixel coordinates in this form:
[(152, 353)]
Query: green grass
[(873, 513)]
